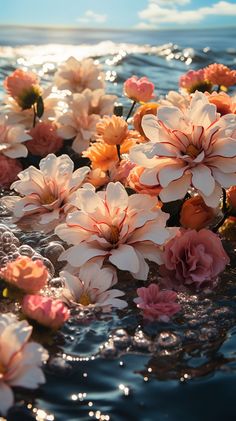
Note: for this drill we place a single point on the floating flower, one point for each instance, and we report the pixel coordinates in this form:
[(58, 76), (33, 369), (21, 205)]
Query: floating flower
[(113, 130), (195, 148), (20, 360), (90, 287), (77, 75), (223, 102), (47, 191), (45, 139), (26, 274), (148, 108), (221, 75), (111, 225), (195, 80), (195, 214), (133, 181), (46, 311), (140, 90), (10, 168), (156, 304), (23, 87), (11, 138), (194, 259)]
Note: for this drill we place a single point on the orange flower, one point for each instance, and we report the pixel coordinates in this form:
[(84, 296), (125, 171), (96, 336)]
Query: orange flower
[(224, 103), (148, 108), (102, 155), (23, 87), (231, 196), (131, 140), (113, 130), (26, 274), (195, 214), (221, 75), (133, 181)]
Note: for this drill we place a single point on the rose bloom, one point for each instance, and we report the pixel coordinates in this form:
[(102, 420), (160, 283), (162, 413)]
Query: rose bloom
[(111, 225), (45, 139), (195, 149), (149, 108), (140, 90), (46, 311), (26, 274), (194, 259), (90, 287), (221, 75), (113, 130), (231, 196), (76, 75), (156, 304), (23, 87), (195, 214), (11, 139), (223, 102), (46, 191), (10, 168), (133, 181), (20, 360), (195, 80)]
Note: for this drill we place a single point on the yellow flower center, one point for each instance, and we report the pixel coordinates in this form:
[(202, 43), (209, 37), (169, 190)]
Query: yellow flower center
[(47, 199), (114, 234), (192, 151), (85, 299)]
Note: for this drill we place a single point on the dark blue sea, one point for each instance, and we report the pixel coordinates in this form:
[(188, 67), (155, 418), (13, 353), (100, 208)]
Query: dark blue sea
[(115, 366)]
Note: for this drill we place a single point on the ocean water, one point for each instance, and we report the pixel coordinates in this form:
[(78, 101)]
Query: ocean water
[(116, 366)]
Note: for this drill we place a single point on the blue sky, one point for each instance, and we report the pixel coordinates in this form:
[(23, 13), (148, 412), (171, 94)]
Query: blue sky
[(143, 14)]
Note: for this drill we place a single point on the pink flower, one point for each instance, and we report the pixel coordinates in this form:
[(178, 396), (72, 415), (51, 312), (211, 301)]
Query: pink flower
[(23, 87), (195, 80), (26, 274), (194, 258), (120, 171), (11, 138), (195, 148), (20, 360), (45, 139), (46, 311), (111, 225), (10, 168), (221, 75), (156, 304), (140, 90)]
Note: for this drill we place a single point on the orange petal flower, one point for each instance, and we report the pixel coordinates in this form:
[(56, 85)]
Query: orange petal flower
[(224, 103), (221, 75), (134, 183), (102, 155), (231, 196), (195, 214), (113, 130), (148, 108), (23, 87)]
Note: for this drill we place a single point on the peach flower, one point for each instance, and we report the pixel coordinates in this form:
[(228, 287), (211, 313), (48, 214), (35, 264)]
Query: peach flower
[(221, 75), (113, 130), (10, 168), (194, 259), (121, 170), (176, 99), (195, 214), (101, 155), (20, 360), (45, 139), (133, 181), (97, 178), (223, 102), (156, 304), (26, 274), (46, 311), (11, 139), (148, 108), (23, 87), (140, 90), (195, 80), (111, 225), (77, 75), (231, 196)]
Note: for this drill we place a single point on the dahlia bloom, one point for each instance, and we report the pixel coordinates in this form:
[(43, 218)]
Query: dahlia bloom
[(46, 311), (113, 130), (11, 139), (23, 87), (90, 287), (223, 102), (45, 139), (10, 168), (221, 75), (195, 80), (156, 304), (46, 191), (195, 214), (140, 90), (102, 156), (20, 360), (26, 274), (125, 230), (191, 149), (77, 75), (193, 259)]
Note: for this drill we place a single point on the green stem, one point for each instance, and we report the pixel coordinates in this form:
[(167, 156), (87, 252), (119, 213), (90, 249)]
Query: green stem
[(131, 110), (35, 116), (118, 152), (218, 89)]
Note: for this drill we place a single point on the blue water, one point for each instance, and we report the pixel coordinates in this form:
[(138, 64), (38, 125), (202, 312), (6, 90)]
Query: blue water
[(117, 367)]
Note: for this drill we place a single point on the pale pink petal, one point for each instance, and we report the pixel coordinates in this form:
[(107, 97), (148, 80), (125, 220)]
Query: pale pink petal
[(6, 398), (125, 258), (176, 189), (214, 198), (29, 376), (170, 173), (170, 116), (116, 196), (79, 255), (202, 179)]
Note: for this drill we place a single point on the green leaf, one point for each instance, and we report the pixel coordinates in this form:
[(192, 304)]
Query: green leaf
[(39, 107)]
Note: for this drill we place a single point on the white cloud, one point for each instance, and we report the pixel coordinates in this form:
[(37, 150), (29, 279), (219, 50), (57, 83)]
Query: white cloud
[(169, 2), (92, 17), (155, 14)]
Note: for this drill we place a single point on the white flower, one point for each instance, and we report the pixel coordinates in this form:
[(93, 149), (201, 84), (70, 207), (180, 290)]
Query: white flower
[(20, 360), (11, 138)]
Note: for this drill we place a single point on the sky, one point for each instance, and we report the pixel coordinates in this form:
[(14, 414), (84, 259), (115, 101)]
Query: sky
[(120, 14)]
